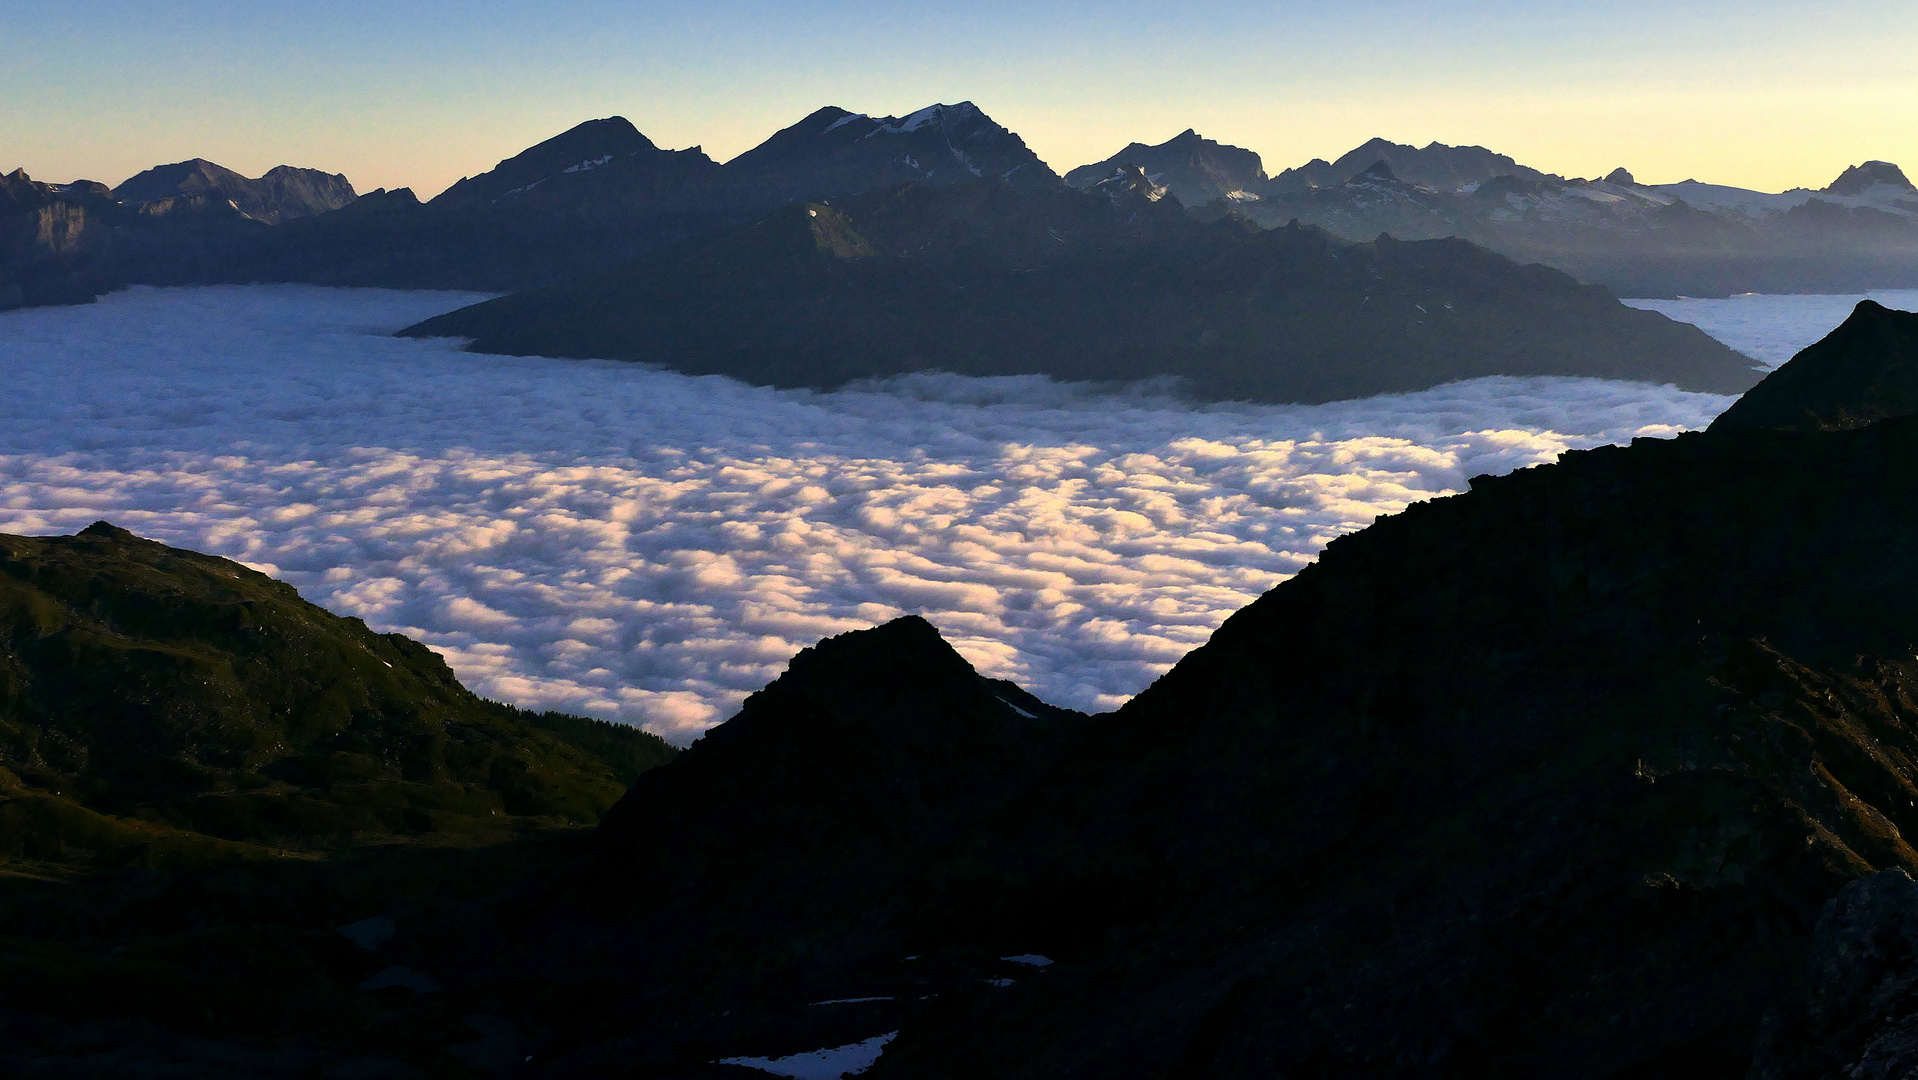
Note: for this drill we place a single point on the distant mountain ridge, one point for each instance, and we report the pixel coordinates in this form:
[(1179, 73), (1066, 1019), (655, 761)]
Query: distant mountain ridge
[(602, 193), (1436, 165), (1116, 283), (834, 152), (283, 194), (1195, 169)]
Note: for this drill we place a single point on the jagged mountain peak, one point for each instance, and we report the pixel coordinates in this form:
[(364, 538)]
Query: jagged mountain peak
[(284, 193), (1622, 177), (1862, 178), (1195, 169), (583, 148), (1864, 371), (1131, 181), (834, 151), (190, 177)]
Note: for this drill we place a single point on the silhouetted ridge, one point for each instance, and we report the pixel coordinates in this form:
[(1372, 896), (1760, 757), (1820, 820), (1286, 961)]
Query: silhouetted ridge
[(162, 705), (586, 147), (200, 186), (1864, 371)]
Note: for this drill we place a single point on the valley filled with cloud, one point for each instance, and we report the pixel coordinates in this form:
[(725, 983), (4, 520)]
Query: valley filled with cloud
[(609, 539)]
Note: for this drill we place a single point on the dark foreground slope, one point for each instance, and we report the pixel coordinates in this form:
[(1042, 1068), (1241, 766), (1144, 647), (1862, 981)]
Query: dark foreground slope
[(1118, 283), (159, 705), (1549, 778), (202, 777)]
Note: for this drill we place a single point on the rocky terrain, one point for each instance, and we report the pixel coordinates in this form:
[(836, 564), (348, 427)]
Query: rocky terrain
[(1118, 283)]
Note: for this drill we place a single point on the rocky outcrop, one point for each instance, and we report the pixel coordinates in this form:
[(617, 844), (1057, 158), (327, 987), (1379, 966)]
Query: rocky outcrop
[(1856, 1017), (46, 231)]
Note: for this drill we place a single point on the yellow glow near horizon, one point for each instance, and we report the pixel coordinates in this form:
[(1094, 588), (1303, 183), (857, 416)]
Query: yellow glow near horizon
[(419, 92)]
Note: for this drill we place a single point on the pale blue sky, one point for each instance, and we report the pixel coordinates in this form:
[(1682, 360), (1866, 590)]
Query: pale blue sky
[(419, 93)]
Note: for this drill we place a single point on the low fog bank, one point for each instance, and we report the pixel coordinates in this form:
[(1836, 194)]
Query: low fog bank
[(646, 546)]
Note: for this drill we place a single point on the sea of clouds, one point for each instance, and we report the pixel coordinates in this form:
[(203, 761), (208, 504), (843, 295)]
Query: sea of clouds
[(624, 542)]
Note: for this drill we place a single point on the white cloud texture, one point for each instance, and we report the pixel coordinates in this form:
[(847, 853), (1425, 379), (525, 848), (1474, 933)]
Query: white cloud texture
[(630, 543), (1769, 329)]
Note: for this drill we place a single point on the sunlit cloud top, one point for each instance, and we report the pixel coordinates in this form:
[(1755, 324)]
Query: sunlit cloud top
[(421, 92)]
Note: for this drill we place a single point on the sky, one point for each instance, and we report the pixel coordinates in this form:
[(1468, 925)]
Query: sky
[(418, 93)]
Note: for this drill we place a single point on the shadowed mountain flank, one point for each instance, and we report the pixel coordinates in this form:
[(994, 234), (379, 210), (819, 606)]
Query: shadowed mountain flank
[(1551, 777), (1112, 284), (158, 704), (1862, 372)]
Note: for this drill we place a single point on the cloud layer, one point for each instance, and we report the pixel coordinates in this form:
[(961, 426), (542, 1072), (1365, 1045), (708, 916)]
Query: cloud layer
[(639, 545)]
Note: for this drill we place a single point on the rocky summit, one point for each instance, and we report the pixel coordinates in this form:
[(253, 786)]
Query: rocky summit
[(1197, 170), (283, 194)]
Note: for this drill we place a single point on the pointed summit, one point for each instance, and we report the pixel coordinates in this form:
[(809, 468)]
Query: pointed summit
[(834, 152), (1862, 372), (592, 151), (1195, 169), (1862, 178)]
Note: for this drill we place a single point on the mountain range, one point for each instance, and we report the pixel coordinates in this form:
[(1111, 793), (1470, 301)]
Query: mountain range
[(1599, 769), (988, 277), (1861, 231), (601, 194)]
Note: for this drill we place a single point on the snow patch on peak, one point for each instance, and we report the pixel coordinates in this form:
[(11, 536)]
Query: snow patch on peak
[(844, 120), (914, 122), (588, 165)]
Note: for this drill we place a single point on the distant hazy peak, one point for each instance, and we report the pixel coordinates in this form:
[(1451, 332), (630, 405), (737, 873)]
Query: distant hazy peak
[(1862, 372), (1434, 165), (1195, 169), (581, 148), (1862, 178), (833, 151), (284, 193), (1621, 177)]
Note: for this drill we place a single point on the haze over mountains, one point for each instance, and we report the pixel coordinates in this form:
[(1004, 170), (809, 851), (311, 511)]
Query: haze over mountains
[(1694, 238), (602, 192), (989, 279)]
